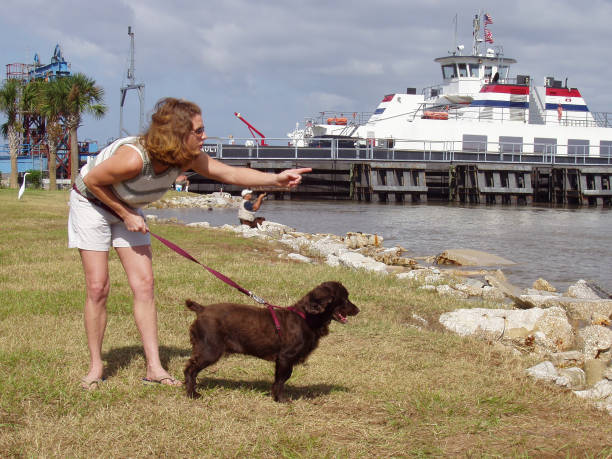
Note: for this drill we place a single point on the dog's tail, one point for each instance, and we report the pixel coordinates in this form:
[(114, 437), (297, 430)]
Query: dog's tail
[(195, 307)]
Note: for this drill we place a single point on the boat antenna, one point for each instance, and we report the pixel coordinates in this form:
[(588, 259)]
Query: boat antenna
[(455, 43), (475, 30)]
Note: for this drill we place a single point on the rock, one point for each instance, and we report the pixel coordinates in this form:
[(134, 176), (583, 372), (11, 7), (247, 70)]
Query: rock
[(199, 225), (509, 290), (600, 391), (332, 260), (558, 332), (392, 257), (544, 285), (572, 378), (470, 257), (327, 246), (299, 257), (358, 261), (274, 229), (567, 358), (492, 294), (593, 340), (472, 287), (358, 240), (545, 371), (588, 310), (549, 327), (419, 275), (581, 290), (433, 278), (594, 370), (447, 290)]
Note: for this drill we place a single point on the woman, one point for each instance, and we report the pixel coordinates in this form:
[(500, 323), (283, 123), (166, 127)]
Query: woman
[(105, 211)]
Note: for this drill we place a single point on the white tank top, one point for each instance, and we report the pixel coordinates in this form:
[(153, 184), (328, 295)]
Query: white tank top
[(139, 191)]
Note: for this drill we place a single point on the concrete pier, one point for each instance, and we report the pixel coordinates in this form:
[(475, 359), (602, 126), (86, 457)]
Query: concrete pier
[(421, 181)]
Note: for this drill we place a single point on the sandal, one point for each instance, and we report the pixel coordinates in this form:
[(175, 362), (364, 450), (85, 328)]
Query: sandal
[(167, 381), (91, 385)]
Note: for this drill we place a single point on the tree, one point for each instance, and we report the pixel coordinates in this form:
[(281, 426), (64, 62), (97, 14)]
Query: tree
[(83, 96), (50, 102), (10, 93)]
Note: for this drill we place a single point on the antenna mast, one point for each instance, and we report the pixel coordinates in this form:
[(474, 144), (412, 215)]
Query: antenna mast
[(131, 84)]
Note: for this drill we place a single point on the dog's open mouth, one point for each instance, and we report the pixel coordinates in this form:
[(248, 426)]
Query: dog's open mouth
[(339, 318)]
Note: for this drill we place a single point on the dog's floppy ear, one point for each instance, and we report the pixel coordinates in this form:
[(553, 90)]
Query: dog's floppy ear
[(318, 300)]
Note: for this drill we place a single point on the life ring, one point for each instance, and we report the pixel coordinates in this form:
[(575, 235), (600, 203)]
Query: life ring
[(435, 115)]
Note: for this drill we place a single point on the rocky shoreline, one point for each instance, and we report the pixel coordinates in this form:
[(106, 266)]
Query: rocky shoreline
[(570, 330)]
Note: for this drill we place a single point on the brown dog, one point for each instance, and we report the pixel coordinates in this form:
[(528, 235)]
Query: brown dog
[(243, 329)]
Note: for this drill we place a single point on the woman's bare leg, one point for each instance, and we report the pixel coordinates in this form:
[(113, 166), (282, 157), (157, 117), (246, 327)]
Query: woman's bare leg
[(137, 262), (95, 265)]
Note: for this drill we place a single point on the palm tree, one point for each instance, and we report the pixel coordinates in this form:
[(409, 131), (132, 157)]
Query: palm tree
[(50, 102), (83, 96), (10, 93)]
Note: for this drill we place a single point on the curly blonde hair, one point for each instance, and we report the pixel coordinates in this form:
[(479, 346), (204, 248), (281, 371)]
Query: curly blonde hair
[(169, 128)]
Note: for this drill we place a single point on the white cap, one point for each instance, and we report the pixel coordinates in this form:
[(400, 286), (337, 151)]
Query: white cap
[(246, 191)]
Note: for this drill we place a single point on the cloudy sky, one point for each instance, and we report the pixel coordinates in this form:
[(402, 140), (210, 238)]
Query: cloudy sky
[(277, 62)]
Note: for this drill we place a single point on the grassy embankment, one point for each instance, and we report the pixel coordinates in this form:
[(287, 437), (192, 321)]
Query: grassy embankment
[(376, 387)]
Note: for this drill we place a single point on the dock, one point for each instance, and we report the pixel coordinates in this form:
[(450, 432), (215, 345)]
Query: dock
[(420, 177)]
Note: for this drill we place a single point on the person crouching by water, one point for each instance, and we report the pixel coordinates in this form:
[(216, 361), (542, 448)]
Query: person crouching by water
[(181, 183), (105, 212), (248, 207)]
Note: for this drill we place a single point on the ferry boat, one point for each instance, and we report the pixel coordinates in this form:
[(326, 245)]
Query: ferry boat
[(478, 107)]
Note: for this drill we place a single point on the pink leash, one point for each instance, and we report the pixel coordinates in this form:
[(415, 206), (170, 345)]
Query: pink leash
[(228, 281), (217, 274)]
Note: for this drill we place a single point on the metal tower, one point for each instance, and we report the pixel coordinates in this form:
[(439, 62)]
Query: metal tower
[(131, 84)]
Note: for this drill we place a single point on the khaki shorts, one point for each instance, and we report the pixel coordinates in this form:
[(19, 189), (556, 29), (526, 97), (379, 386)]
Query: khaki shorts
[(93, 228)]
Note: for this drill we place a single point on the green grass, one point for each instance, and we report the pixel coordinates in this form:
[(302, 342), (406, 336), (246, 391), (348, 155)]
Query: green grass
[(376, 387)]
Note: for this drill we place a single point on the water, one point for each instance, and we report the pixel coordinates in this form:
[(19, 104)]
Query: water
[(559, 245)]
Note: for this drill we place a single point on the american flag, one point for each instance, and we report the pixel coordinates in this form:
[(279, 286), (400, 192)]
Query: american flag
[(488, 19), (488, 36)]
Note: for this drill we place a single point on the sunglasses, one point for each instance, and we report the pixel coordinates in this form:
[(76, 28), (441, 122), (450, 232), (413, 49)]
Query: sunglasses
[(198, 131)]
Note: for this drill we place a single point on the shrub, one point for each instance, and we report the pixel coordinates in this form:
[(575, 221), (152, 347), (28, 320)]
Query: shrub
[(34, 179)]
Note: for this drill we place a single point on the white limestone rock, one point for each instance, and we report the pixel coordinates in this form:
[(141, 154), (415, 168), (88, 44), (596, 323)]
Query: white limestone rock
[(358, 261), (581, 290), (544, 371), (299, 257), (593, 340), (549, 327)]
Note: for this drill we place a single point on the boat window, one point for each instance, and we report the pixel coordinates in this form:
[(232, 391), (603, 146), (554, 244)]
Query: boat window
[(510, 144), (488, 71), (605, 148), (503, 71), (462, 70), (449, 71), (545, 145), (577, 147), (474, 142), (474, 70)]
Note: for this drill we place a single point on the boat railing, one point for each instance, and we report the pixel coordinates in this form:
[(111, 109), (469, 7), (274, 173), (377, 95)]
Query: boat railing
[(359, 149), (351, 118), (603, 119)]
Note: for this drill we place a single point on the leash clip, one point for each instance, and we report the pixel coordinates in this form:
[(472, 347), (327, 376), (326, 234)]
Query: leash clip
[(258, 299)]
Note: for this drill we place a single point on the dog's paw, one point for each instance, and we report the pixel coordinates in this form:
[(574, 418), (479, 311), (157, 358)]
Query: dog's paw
[(281, 398), (193, 395)]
